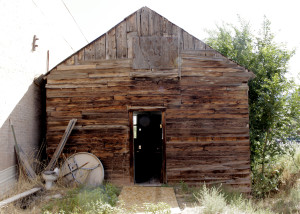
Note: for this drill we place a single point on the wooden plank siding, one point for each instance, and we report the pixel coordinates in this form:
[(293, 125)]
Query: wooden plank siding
[(205, 96)]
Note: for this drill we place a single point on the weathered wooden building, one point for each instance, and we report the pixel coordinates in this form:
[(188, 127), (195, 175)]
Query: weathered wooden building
[(155, 104)]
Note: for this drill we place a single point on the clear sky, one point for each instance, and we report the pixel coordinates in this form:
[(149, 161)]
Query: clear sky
[(95, 17)]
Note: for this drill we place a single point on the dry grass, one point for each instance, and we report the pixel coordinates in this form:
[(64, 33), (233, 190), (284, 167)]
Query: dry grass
[(34, 202)]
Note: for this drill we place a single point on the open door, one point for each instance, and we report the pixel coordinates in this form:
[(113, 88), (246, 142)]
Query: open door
[(148, 147)]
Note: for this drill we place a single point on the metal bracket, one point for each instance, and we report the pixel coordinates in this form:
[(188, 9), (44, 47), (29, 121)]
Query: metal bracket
[(34, 45)]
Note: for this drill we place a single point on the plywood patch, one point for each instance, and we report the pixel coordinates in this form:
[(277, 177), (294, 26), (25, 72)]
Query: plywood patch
[(153, 52)]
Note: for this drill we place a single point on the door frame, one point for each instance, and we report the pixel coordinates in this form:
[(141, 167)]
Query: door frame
[(163, 178)]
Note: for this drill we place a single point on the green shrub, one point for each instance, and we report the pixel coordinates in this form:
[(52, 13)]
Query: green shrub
[(212, 200), (86, 200), (184, 187), (282, 171)]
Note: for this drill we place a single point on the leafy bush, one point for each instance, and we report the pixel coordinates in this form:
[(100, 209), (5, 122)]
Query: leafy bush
[(263, 184), (282, 172)]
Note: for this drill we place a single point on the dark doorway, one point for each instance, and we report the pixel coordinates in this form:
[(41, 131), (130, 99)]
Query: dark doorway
[(148, 146)]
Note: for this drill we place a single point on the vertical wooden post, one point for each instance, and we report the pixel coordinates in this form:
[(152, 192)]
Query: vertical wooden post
[(131, 150), (47, 60), (163, 168)]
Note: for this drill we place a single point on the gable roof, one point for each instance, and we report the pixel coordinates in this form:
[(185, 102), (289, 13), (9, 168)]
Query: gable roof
[(117, 42)]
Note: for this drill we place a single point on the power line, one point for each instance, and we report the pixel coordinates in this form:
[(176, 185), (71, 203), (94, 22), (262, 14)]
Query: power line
[(46, 17), (75, 21)]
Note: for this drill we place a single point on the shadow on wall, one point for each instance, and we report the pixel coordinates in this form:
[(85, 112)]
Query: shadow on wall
[(28, 120)]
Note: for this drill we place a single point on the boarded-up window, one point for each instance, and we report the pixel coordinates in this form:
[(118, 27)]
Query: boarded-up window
[(153, 52)]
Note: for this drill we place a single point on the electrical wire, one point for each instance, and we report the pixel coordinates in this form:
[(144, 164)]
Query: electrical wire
[(46, 17), (75, 21)]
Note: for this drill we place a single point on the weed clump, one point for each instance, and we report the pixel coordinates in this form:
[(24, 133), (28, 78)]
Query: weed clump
[(102, 199), (211, 199)]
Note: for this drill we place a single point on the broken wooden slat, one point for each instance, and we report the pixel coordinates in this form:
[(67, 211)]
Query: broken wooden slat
[(61, 145), (23, 159)]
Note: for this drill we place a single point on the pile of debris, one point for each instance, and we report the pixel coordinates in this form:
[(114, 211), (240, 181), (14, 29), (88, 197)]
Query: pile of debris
[(80, 168)]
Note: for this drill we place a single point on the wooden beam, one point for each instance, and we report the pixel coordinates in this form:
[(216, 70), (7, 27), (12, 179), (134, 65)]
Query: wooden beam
[(61, 145), (23, 158), (19, 196), (131, 148)]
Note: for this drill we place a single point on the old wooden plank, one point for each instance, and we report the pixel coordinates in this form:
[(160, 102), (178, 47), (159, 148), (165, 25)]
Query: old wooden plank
[(144, 21), (131, 147), (194, 73), (199, 45), (79, 56), (61, 145), (155, 24), (69, 61), (221, 80), (138, 22), (201, 53), (216, 93), (151, 23), (111, 52), (59, 86), (102, 127), (109, 74), (131, 23), (166, 27), (121, 40), (196, 131), (100, 47), (192, 62), (76, 81), (96, 65), (155, 53), (188, 41), (23, 158), (67, 76), (77, 67), (214, 69), (89, 52), (155, 74), (19, 196), (158, 25), (211, 53), (210, 115), (130, 37)]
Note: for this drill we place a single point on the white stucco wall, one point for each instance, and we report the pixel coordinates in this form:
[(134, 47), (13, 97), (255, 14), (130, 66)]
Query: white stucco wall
[(20, 102)]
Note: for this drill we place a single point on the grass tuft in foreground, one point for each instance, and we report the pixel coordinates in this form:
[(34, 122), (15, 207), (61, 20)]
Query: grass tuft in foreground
[(86, 200)]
